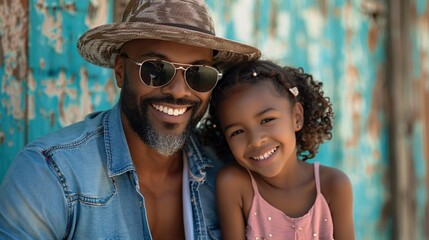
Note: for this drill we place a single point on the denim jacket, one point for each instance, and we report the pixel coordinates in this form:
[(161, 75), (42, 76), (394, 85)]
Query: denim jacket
[(81, 183)]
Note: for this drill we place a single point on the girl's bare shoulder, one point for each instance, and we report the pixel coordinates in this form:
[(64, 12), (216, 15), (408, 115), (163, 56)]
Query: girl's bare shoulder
[(334, 183), (234, 183), (233, 174)]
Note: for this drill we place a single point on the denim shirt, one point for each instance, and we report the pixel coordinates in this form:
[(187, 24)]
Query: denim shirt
[(81, 183)]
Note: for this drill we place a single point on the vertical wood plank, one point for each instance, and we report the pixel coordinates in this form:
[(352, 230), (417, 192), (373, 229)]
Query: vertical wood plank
[(418, 94), (13, 82)]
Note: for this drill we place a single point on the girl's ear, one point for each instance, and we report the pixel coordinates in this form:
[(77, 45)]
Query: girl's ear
[(119, 71), (298, 116)]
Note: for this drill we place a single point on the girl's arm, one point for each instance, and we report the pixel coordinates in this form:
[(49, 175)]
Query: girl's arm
[(230, 203), (339, 190)]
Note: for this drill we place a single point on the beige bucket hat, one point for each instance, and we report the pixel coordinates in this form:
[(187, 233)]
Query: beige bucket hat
[(182, 21)]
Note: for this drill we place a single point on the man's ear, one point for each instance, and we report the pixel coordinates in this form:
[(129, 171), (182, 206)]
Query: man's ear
[(119, 71), (298, 116)]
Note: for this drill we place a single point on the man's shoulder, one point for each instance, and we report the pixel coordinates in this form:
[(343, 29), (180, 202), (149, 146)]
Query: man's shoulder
[(68, 148), (69, 135), (74, 156)]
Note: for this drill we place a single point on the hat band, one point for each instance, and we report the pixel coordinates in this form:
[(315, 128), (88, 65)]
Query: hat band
[(189, 27)]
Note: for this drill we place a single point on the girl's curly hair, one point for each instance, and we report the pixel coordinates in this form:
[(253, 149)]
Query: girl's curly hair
[(318, 113)]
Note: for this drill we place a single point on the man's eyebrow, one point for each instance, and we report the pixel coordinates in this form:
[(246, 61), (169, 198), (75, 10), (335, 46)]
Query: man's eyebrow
[(203, 62), (163, 57), (153, 55), (256, 115)]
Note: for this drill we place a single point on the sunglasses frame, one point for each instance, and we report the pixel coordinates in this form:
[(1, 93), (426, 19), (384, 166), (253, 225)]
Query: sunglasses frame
[(182, 66)]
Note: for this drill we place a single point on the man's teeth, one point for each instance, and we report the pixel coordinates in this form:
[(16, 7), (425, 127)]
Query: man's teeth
[(170, 111), (265, 155)]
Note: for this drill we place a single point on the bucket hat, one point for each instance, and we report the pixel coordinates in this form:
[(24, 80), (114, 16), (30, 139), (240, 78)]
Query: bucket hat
[(181, 21)]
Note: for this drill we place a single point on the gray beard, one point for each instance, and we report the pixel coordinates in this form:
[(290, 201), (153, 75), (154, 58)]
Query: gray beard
[(164, 144)]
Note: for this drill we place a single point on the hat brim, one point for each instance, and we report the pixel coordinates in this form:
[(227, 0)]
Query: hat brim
[(101, 44)]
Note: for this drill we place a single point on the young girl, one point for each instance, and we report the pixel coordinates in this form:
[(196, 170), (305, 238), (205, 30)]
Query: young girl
[(273, 119)]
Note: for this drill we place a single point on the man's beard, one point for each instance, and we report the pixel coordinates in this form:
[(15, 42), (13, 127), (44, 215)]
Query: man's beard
[(165, 144)]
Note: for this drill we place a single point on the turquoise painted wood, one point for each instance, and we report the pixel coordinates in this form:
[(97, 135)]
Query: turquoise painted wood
[(341, 42), (66, 87), (56, 87), (419, 65)]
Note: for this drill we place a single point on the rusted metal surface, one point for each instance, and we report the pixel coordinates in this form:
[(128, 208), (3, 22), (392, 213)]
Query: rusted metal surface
[(378, 82)]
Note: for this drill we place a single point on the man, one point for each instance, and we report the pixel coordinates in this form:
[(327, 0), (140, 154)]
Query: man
[(135, 171)]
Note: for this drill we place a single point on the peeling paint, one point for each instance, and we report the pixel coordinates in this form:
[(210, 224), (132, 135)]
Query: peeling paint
[(97, 13), (2, 56), (51, 27), (375, 124), (112, 91), (314, 21), (372, 37), (14, 61)]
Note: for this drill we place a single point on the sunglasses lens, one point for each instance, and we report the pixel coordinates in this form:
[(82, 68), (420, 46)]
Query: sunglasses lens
[(201, 78), (156, 73)]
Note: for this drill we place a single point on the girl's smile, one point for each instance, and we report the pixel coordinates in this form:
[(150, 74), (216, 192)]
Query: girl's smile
[(259, 125), (266, 155)]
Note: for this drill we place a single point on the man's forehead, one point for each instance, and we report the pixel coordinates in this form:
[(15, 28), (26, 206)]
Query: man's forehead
[(166, 50)]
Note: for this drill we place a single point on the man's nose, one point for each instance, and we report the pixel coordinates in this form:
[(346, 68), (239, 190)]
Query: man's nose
[(177, 87)]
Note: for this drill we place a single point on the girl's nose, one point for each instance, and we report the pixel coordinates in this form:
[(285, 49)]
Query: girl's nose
[(256, 139)]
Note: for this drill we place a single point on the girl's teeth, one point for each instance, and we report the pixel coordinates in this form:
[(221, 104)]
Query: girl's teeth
[(265, 155)]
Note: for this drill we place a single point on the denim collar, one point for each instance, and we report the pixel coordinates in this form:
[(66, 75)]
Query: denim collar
[(197, 160), (118, 155)]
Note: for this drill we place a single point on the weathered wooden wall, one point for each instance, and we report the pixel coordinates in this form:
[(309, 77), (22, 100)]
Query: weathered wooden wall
[(372, 55), (408, 112), (45, 84)]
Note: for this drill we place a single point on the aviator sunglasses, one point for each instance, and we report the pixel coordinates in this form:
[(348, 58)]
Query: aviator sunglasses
[(157, 73)]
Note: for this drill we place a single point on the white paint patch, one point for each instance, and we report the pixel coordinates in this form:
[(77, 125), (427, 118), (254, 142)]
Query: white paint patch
[(243, 11), (314, 22), (13, 24), (85, 94), (273, 49), (351, 17), (100, 17), (14, 105), (52, 28), (31, 99), (283, 25)]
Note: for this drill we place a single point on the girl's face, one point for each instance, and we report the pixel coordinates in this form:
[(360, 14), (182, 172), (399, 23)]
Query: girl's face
[(259, 125)]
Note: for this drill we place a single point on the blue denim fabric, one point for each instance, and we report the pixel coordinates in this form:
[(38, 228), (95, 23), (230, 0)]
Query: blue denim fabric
[(80, 183)]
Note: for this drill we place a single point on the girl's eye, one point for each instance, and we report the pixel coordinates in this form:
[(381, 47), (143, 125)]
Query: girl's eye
[(235, 133), (267, 120)]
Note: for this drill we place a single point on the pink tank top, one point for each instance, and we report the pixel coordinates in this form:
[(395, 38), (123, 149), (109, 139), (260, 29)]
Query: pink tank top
[(268, 222)]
